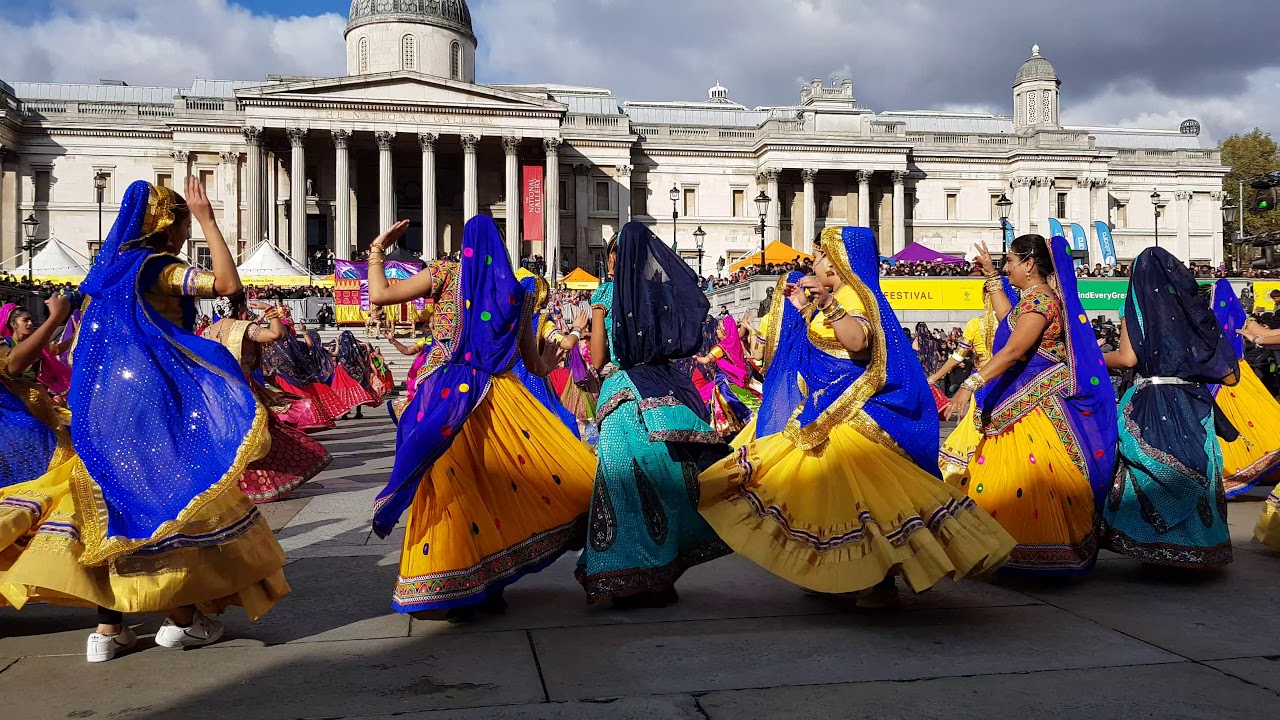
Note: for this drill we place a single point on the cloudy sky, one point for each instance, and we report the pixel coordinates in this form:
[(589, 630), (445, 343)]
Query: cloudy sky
[(1122, 62)]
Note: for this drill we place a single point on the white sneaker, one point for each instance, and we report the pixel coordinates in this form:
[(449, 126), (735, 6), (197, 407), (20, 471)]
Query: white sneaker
[(102, 648), (203, 631)]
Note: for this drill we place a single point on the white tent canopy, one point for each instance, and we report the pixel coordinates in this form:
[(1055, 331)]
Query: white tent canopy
[(266, 260), (54, 260)]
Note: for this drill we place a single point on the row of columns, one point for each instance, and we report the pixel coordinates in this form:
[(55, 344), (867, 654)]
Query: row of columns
[(768, 180), (343, 240)]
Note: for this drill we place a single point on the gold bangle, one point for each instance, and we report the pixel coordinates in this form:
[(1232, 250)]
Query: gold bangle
[(974, 382), (832, 307), (835, 316)]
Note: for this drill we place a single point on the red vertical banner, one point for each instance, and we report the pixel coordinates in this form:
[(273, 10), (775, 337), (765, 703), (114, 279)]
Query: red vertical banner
[(532, 191)]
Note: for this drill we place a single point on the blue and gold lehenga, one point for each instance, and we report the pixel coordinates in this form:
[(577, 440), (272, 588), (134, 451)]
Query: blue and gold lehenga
[(1167, 505), (834, 485), (151, 517), (545, 332), (644, 530)]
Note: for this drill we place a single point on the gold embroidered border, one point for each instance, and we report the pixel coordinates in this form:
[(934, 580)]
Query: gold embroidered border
[(776, 311)]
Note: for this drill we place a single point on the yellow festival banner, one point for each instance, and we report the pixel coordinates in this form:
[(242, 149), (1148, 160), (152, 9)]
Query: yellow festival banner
[(1261, 293), (926, 294)]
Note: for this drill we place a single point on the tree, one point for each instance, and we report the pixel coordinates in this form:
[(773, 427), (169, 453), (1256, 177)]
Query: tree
[(1249, 156)]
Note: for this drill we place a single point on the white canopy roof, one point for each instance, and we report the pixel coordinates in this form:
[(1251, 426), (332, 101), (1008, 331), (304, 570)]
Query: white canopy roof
[(55, 260), (266, 260)]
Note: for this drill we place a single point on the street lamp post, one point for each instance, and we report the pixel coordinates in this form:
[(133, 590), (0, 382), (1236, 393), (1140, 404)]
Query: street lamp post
[(675, 215), (1155, 213), (762, 207), (1229, 214), (699, 238), (29, 226), (1002, 206), (100, 184)]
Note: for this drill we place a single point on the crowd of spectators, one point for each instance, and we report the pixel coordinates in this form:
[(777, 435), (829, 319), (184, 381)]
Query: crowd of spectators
[(276, 292), (924, 269)]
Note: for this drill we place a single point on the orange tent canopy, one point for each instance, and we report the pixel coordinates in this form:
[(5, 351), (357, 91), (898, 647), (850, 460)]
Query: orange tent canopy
[(580, 279), (775, 252)]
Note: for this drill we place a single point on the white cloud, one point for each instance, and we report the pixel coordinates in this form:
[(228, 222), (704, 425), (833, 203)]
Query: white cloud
[(168, 43)]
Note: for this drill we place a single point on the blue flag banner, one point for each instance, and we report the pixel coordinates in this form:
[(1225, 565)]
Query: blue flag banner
[(1008, 233), (1079, 241), (1105, 243), (1055, 228)]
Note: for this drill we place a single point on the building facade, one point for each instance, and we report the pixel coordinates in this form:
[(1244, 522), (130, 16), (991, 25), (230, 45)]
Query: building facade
[(315, 163)]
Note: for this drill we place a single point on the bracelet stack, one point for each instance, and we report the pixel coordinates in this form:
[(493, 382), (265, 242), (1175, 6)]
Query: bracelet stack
[(974, 382), (834, 312), (993, 285)]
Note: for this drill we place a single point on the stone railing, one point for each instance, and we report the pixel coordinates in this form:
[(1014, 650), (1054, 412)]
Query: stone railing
[(64, 108), (610, 123)]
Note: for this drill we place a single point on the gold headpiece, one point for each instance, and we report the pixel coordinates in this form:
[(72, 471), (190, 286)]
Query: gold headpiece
[(161, 204)]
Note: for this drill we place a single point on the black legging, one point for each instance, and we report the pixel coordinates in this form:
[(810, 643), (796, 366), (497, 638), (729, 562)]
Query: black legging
[(110, 617)]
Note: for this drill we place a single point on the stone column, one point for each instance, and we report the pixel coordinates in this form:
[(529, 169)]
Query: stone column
[(899, 211), (273, 199), (1022, 205), (386, 181), (551, 204), (9, 232), (298, 194), (810, 210), (624, 195), (470, 193), (864, 198), (181, 169), (582, 192), (1046, 204), (253, 188), (342, 197), (511, 148), (1215, 241), (773, 219), (427, 141), (1183, 249), (230, 199)]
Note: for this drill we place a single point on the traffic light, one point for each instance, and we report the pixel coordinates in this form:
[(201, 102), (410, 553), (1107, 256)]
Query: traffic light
[(1266, 200)]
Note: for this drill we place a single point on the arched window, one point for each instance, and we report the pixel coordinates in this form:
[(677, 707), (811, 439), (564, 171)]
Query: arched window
[(408, 51), (364, 55), (455, 61)]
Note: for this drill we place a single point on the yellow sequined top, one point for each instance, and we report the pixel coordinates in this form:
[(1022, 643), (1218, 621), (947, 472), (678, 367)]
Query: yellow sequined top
[(975, 342), (823, 336), (175, 282)]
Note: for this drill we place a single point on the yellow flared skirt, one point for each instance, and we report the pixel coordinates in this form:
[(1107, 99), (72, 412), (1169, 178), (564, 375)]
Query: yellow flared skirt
[(841, 517), (1255, 455), (229, 557), (1268, 530), (1026, 479), (957, 451), (507, 498)]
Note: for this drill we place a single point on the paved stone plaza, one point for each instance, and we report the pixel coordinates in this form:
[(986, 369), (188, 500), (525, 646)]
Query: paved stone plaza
[(740, 645)]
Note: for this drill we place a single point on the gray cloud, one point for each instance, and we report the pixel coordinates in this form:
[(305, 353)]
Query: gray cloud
[(1121, 61)]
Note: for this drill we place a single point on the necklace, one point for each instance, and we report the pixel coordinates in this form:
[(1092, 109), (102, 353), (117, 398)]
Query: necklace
[(1033, 287)]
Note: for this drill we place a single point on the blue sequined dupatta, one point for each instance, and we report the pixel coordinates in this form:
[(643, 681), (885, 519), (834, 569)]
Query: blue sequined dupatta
[(540, 387), (492, 311), (26, 444), (164, 420), (786, 353), (889, 388), (1231, 315)]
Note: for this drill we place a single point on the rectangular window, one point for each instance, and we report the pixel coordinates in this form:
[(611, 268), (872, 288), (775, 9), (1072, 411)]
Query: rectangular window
[(94, 247), (1062, 205), (953, 206), (44, 185), (564, 194), (909, 203), (994, 213), (203, 258), (1160, 212), (164, 180), (1122, 215), (690, 202), (788, 196), (602, 196), (108, 187), (739, 203), (210, 186), (640, 201), (824, 205)]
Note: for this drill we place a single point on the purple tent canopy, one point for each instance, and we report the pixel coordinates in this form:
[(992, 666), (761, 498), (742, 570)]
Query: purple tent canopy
[(915, 252)]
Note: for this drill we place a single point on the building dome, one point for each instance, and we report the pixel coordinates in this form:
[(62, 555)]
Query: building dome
[(1036, 68), (448, 14)]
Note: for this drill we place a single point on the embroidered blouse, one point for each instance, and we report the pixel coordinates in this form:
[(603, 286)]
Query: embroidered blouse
[(1044, 302)]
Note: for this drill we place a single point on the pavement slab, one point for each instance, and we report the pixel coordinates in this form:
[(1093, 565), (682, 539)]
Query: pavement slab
[(700, 656), (1225, 614), (674, 707), (1263, 671), (309, 680), (1184, 691)]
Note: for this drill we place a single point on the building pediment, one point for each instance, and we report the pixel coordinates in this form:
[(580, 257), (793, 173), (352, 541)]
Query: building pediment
[(404, 88)]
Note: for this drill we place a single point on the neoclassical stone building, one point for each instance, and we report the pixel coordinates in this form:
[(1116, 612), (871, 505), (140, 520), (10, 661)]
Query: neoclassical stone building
[(308, 163)]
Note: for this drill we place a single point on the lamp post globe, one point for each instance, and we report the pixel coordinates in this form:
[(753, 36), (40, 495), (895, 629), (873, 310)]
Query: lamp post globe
[(29, 228), (699, 239), (1155, 214), (674, 194), (1003, 205), (762, 206)]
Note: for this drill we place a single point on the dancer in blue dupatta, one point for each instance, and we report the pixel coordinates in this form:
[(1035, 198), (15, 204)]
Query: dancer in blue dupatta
[(1253, 457), (34, 437), (496, 486), (837, 488), (645, 530), (1046, 411), (149, 516), (1167, 505), (545, 332)]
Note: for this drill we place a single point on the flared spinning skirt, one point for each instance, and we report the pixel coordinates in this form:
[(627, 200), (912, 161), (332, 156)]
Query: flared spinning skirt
[(319, 393), (957, 450), (293, 460), (1268, 530), (841, 517), (351, 393), (227, 555), (507, 498), (1026, 479), (1254, 457)]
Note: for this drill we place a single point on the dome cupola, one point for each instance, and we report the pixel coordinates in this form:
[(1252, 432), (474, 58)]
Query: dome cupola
[(1035, 93), (428, 36)]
